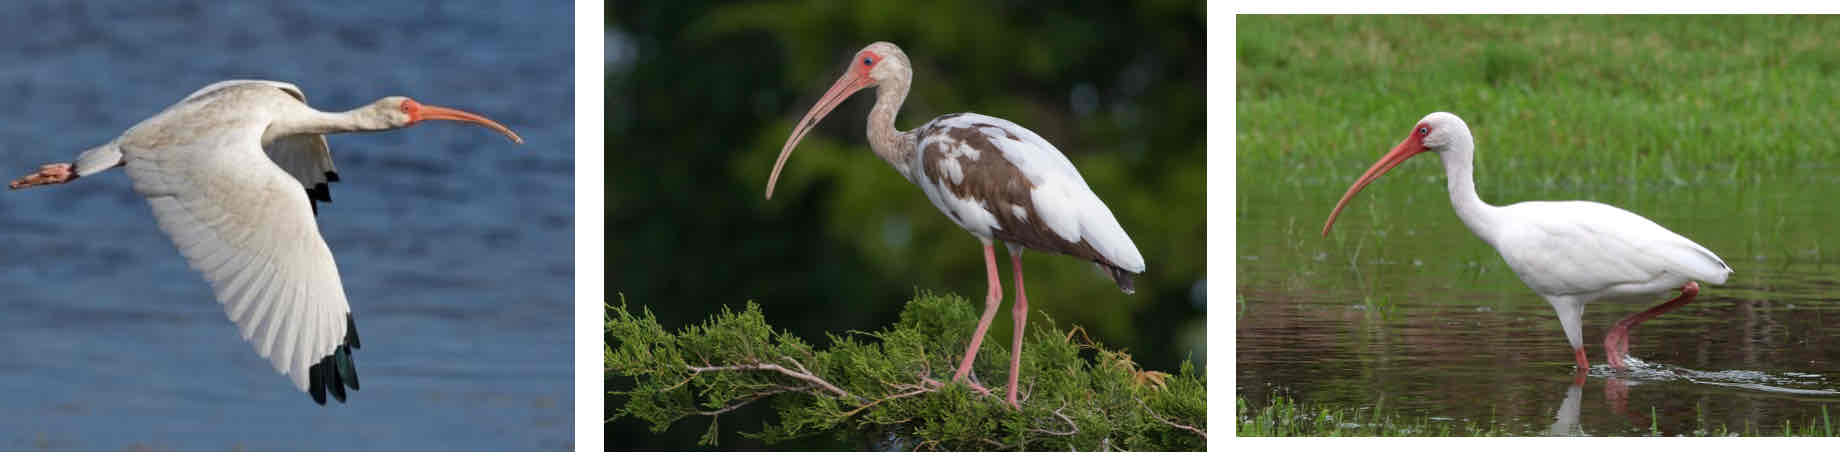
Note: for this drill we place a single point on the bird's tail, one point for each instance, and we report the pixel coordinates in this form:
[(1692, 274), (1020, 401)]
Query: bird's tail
[(1119, 275)]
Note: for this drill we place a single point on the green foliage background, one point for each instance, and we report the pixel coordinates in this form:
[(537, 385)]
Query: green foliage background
[(709, 91)]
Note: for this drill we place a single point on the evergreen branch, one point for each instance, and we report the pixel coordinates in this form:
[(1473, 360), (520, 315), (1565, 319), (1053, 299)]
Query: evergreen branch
[(878, 385)]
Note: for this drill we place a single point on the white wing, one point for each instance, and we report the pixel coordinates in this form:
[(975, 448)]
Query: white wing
[(305, 157), (245, 224), (1578, 247)]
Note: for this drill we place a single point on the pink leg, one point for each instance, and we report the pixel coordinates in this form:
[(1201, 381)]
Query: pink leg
[(992, 298), (1019, 314), (1582, 364), (1617, 341), (56, 173)]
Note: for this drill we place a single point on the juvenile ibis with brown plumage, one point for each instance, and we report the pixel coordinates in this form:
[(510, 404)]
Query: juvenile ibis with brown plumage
[(1569, 252), (996, 179), (225, 169)]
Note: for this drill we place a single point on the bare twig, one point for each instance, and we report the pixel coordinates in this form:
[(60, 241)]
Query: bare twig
[(907, 390), (1197, 431), (1072, 428), (800, 374), (757, 396)]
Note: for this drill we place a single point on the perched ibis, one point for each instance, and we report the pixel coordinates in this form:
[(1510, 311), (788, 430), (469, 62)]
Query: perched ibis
[(995, 179)]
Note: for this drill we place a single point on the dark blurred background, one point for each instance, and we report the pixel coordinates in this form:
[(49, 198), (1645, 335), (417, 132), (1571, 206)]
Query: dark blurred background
[(703, 94)]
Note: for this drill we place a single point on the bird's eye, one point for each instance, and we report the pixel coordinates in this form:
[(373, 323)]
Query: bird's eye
[(868, 61), (1422, 130)]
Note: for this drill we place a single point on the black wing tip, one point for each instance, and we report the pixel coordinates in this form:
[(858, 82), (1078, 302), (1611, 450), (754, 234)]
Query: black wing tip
[(332, 176), (320, 192), (335, 372), (1120, 276)]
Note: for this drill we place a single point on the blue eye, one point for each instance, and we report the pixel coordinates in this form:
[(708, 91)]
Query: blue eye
[(868, 61)]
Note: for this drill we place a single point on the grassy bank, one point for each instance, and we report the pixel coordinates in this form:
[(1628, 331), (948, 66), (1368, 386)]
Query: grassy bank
[(1634, 95)]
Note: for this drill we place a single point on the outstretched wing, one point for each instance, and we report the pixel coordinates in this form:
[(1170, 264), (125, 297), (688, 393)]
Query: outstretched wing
[(244, 223)]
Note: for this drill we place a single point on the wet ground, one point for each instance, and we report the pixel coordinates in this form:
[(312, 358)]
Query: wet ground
[(455, 245), (1403, 309)]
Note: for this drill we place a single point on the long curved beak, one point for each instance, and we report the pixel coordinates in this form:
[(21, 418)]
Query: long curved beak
[(1405, 150), (846, 85), (427, 112)]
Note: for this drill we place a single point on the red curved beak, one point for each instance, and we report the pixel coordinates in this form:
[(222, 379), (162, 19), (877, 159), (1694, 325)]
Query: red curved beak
[(846, 85), (1407, 148), (424, 112)]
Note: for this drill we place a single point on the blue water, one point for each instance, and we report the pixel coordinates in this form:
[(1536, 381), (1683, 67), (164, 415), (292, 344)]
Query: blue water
[(455, 245)]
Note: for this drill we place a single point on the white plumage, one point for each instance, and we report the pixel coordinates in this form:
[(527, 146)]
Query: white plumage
[(1570, 252), (231, 172)]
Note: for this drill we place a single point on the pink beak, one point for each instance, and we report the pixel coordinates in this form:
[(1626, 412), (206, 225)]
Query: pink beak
[(846, 85), (1409, 147)]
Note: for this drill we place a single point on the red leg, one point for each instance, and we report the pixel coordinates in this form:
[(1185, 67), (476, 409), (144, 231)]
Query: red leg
[(1582, 366), (992, 298), (1020, 315), (1617, 341)]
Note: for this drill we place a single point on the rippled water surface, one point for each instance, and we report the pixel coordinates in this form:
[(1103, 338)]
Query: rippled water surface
[(1403, 308), (454, 244)]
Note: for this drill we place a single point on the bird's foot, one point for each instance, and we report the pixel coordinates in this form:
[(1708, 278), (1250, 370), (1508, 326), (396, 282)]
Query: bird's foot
[(57, 173), (1616, 346)]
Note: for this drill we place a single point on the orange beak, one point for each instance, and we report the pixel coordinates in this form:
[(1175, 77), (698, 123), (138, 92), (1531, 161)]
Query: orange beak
[(850, 83), (1409, 147), (419, 112)]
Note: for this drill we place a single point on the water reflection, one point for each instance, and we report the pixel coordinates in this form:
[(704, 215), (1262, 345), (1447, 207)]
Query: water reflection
[(1566, 419)]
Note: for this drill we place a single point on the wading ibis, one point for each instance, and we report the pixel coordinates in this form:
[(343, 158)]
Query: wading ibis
[(234, 173), (1571, 252), (996, 179)]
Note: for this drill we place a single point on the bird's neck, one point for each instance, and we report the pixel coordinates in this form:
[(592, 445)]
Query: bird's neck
[(304, 120), (1459, 181), (892, 145)]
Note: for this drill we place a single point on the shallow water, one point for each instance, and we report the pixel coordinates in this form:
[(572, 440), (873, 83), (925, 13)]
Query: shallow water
[(455, 245), (1404, 309)]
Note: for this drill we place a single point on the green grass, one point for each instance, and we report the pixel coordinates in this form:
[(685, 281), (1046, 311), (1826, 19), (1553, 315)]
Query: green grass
[(1285, 417), (1652, 95)]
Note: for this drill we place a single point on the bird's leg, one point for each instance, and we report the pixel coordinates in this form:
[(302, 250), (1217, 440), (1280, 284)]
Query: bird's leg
[(1581, 364), (1020, 315), (56, 173), (1617, 341), (993, 297)]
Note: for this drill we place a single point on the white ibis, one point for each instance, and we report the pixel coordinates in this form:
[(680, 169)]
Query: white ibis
[(224, 170), (996, 179), (1571, 252)]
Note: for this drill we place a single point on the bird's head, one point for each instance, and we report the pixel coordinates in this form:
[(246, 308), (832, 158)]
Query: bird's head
[(399, 112), (877, 63), (1439, 132)]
